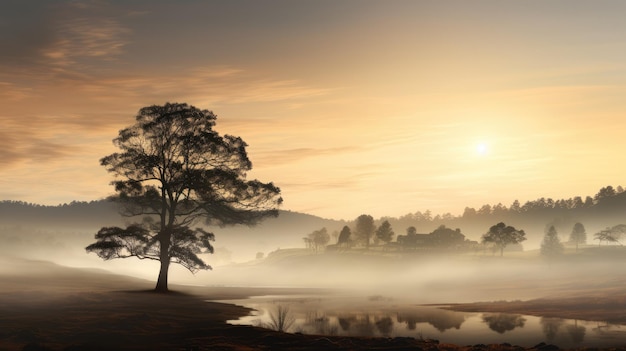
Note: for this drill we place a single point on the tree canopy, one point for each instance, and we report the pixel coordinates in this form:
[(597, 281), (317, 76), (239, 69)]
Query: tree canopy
[(365, 229), (578, 235), (610, 234), (175, 171), (551, 245), (344, 236), (502, 235), (385, 232)]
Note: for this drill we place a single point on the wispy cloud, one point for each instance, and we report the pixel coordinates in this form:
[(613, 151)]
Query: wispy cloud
[(282, 156), (16, 148), (79, 38)]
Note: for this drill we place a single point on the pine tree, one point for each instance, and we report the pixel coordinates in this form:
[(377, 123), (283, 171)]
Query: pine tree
[(551, 245), (578, 235)]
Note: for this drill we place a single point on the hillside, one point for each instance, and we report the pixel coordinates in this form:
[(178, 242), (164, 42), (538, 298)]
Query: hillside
[(62, 232)]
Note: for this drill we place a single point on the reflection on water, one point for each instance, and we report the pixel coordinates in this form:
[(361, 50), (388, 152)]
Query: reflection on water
[(361, 316), (503, 322)]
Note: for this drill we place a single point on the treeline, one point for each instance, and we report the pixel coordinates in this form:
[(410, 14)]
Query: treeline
[(605, 209), (606, 197)]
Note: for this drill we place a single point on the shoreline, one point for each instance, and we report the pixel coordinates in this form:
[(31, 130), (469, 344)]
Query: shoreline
[(56, 308)]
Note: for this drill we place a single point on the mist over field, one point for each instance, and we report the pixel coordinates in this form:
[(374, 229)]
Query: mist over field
[(354, 289), (274, 253)]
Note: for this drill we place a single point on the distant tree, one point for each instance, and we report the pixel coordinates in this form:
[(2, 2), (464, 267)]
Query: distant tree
[(551, 245), (411, 231), (344, 236), (485, 210), (577, 202), (499, 209), (260, 255), (469, 212), (605, 192), (588, 202), (308, 243), (365, 229), (423, 217), (604, 235), (515, 207), (619, 230), (447, 216), (319, 239), (502, 235), (177, 171), (385, 232), (611, 235), (578, 235)]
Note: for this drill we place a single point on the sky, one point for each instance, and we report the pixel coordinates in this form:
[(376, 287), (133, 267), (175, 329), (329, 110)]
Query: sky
[(349, 106)]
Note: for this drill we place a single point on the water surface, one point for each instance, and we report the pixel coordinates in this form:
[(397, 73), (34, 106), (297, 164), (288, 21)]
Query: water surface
[(383, 317)]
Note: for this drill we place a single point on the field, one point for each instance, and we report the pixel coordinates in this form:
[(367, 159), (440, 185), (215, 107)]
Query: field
[(50, 307)]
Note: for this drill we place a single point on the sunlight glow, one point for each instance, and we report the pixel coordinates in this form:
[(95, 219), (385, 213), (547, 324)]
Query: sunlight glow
[(482, 149)]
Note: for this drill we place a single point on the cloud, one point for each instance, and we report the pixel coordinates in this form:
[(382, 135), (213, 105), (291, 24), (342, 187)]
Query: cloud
[(46, 40), (12, 92), (83, 37), (282, 157), (16, 148)]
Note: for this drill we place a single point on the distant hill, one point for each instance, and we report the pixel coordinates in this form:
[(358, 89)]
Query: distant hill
[(68, 228)]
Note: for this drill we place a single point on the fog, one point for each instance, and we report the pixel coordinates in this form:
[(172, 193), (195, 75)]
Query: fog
[(273, 254)]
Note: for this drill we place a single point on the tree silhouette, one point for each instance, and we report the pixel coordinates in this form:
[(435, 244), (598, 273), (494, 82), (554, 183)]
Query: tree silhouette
[(344, 236), (385, 232), (578, 235), (365, 229), (610, 235), (319, 238), (502, 235), (551, 245), (175, 170)]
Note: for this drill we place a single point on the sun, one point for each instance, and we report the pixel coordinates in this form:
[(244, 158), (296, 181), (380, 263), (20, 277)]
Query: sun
[(482, 148)]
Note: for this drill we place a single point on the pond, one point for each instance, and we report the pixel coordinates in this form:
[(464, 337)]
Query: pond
[(379, 316)]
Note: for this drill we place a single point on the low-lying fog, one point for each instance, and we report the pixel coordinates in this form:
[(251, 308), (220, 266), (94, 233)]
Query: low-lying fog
[(421, 277), (273, 254)]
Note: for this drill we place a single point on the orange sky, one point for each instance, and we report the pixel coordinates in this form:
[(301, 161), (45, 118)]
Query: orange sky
[(351, 107)]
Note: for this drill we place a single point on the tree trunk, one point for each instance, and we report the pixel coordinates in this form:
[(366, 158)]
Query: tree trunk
[(161, 285), (164, 246), (501, 251)]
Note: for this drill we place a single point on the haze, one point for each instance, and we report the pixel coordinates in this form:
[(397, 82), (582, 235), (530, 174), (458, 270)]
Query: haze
[(350, 107), (446, 115)]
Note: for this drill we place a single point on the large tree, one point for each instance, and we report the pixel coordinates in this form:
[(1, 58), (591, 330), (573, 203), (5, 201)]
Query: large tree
[(502, 235), (365, 229), (175, 172)]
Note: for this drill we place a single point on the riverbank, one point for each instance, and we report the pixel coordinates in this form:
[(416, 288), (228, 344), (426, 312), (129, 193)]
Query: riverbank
[(49, 307)]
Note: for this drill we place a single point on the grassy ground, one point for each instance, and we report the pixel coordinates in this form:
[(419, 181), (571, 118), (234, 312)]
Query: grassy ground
[(49, 307)]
